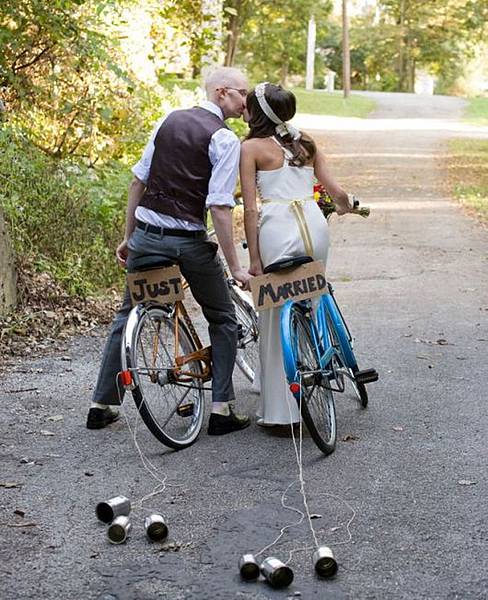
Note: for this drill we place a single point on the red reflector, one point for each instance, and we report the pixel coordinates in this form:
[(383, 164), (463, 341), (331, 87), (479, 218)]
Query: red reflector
[(126, 377), (294, 388)]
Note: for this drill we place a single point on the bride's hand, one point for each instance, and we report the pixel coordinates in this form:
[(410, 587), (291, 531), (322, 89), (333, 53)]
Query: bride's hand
[(256, 268)]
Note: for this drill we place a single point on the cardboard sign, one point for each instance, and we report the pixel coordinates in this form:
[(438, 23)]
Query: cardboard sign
[(302, 282), (162, 286)]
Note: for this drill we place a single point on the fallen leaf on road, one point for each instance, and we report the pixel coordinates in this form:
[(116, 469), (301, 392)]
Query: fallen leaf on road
[(19, 512), (46, 432), (10, 484), (397, 428), (55, 418), (467, 482), (438, 342), (349, 437), (88, 474)]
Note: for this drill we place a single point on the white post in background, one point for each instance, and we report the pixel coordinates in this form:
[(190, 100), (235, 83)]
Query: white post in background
[(310, 53)]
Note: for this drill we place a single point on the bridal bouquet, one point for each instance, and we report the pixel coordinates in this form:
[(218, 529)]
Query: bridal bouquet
[(327, 205)]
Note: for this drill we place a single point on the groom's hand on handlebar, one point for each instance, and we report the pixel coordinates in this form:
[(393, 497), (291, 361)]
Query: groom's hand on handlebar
[(243, 277)]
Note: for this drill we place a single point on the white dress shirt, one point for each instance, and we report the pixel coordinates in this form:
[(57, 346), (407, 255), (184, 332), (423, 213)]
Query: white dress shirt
[(223, 152)]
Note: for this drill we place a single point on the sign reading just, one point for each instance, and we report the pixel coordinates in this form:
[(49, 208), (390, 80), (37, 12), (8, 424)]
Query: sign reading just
[(274, 289), (162, 286)]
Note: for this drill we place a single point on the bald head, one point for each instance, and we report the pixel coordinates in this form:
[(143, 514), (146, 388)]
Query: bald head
[(223, 77)]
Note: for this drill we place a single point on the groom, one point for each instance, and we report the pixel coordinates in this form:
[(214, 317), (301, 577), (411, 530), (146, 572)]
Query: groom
[(189, 166)]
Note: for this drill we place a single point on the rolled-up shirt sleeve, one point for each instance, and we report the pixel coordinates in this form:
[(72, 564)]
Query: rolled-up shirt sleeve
[(224, 151), (141, 169)]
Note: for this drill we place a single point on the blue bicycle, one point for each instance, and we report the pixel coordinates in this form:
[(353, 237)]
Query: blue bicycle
[(318, 358)]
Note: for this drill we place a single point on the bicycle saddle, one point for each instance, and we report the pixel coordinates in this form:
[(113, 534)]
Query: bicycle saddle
[(149, 261), (287, 263)]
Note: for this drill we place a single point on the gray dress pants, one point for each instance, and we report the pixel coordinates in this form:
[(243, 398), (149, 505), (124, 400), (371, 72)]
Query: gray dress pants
[(202, 268)]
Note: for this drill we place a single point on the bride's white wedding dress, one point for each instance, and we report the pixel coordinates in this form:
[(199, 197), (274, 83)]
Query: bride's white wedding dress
[(287, 197)]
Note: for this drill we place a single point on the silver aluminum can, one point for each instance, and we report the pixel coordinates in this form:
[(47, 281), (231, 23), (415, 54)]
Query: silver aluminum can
[(248, 567), (324, 562), (118, 530), (156, 528), (277, 574), (108, 510)]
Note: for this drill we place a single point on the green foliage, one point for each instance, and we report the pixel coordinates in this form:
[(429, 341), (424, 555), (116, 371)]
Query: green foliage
[(65, 218), (434, 35), (322, 103), (468, 173), (194, 24), (477, 111), (272, 36)]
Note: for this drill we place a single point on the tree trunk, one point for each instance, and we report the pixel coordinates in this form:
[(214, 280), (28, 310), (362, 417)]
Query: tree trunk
[(284, 72), (402, 59), (346, 59), (232, 38), (8, 279)]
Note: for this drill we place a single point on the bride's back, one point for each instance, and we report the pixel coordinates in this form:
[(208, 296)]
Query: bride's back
[(269, 155)]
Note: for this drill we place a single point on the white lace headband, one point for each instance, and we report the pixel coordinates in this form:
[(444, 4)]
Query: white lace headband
[(282, 128)]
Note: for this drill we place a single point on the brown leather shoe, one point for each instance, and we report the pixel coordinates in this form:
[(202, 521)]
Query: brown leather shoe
[(220, 424)]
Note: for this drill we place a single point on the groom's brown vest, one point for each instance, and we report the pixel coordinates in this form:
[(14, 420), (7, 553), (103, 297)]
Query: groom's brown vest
[(180, 168)]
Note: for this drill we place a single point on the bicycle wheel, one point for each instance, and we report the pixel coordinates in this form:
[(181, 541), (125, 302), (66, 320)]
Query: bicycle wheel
[(247, 357), (340, 339), (302, 365), (172, 410)]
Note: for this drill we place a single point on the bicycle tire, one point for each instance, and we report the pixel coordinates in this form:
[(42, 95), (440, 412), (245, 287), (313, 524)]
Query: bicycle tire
[(247, 357), (340, 340), (301, 356), (157, 397)]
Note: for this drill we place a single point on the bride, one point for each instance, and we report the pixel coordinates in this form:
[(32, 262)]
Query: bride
[(280, 164)]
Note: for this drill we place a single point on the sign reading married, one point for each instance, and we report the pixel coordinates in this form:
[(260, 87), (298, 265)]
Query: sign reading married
[(162, 286), (299, 283)]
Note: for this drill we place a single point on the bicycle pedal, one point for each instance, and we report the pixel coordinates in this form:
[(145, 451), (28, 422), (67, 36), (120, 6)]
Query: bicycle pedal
[(366, 376), (185, 410)]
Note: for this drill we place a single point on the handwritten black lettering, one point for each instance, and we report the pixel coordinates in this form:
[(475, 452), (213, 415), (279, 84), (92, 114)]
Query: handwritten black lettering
[(175, 282), (311, 284), (297, 288), (138, 296), (266, 290), (153, 289), (163, 288), (321, 281), (284, 291)]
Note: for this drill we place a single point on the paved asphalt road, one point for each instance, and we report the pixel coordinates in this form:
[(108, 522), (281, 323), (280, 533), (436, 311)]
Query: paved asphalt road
[(403, 503)]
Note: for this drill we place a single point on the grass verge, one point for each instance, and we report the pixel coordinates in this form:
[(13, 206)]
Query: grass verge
[(318, 102), (468, 174), (477, 111)]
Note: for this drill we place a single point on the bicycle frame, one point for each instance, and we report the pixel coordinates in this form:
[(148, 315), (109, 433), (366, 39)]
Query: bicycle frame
[(175, 311), (335, 363)]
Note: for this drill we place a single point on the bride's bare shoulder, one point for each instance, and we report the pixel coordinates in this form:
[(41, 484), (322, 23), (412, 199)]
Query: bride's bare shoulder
[(250, 147)]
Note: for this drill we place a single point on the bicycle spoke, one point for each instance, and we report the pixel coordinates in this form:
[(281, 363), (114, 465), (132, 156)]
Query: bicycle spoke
[(158, 394)]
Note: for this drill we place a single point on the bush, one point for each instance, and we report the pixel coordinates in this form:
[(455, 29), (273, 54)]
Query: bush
[(64, 217)]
